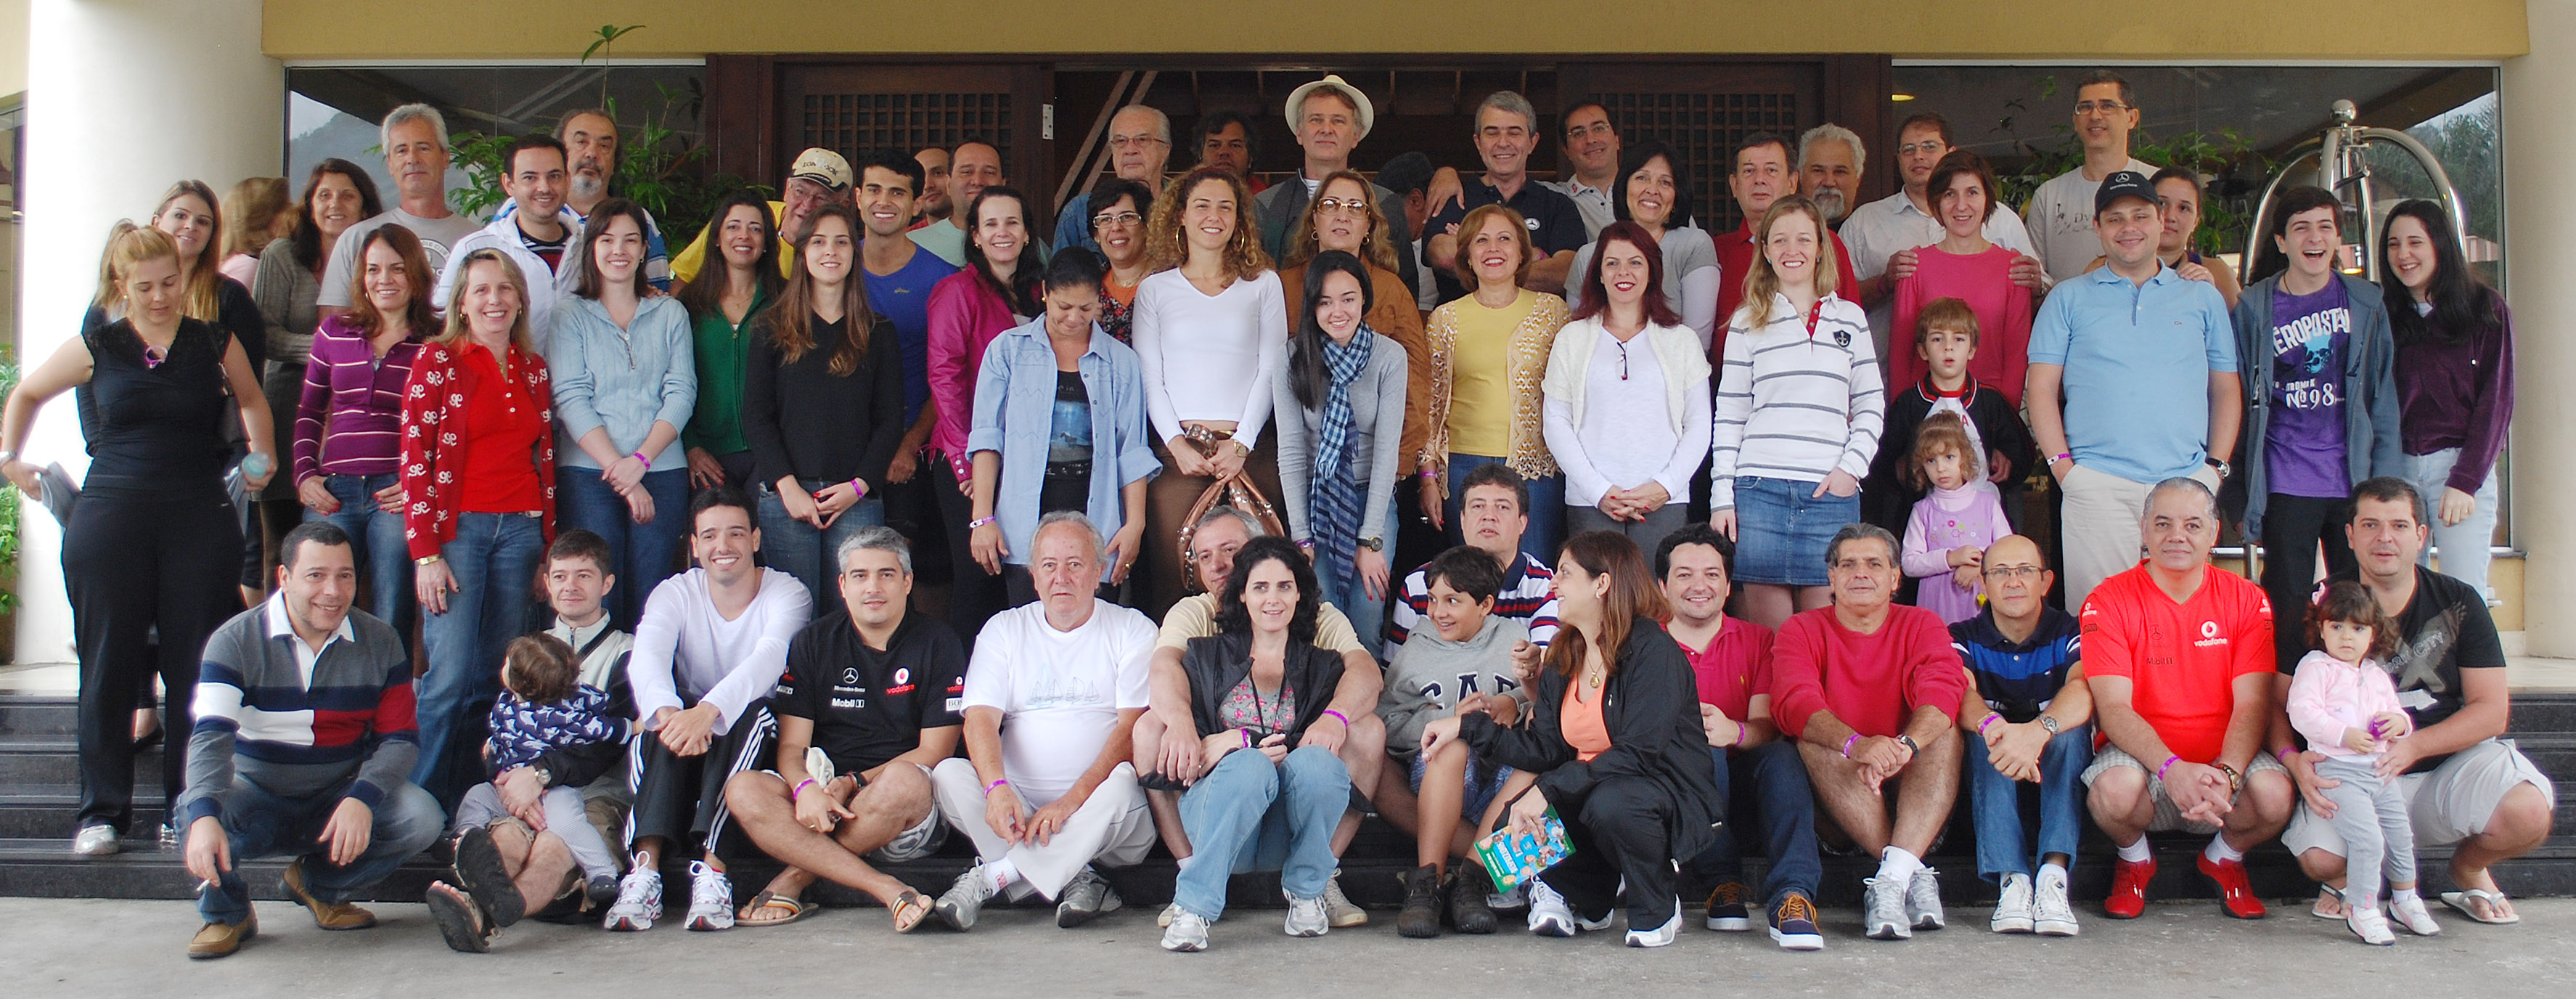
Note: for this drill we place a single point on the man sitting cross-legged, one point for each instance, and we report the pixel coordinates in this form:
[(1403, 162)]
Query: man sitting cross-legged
[(1868, 686), (877, 690)]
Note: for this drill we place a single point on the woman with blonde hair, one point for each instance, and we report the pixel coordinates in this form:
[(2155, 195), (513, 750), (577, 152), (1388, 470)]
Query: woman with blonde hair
[(153, 544), (1799, 409), (1209, 326), (478, 470), (257, 206), (1489, 353)]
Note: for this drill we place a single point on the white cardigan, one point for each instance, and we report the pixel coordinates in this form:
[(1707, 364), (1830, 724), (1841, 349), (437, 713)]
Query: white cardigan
[(1569, 369)]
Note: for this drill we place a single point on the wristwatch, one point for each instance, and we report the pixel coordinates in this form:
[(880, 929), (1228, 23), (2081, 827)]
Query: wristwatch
[(1908, 742), (1373, 544), (545, 777), (2224, 469), (2048, 722), (425, 560), (2235, 780)]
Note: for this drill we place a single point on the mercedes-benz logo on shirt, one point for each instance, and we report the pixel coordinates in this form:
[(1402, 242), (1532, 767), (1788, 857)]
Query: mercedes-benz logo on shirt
[(849, 676)]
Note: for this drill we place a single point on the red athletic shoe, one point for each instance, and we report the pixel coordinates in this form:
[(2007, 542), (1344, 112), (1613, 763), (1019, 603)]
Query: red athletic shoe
[(2235, 892), (2128, 898)]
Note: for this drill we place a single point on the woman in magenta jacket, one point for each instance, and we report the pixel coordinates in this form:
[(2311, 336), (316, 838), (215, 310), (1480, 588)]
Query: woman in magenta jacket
[(968, 309)]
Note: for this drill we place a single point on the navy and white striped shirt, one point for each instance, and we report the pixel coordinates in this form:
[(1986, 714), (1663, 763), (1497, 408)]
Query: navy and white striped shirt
[(1528, 596), (1794, 404)]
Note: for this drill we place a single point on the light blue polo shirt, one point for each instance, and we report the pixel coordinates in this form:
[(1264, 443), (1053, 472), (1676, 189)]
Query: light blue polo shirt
[(2138, 359)]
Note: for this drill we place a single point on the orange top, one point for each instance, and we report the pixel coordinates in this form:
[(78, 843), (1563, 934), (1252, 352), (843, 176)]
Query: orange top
[(1581, 723)]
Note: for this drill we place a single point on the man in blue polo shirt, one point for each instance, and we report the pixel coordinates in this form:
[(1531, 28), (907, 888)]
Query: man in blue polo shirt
[(899, 274), (2147, 364), (1506, 134)]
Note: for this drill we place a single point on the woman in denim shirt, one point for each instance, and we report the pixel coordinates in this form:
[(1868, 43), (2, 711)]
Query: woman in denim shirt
[(1059, 425)]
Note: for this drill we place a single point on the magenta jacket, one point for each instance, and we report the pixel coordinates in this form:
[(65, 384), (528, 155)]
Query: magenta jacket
[(965, 317)]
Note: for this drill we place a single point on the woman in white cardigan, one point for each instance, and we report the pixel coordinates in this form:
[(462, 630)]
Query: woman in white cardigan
[(1338, 401), (1627, 412)]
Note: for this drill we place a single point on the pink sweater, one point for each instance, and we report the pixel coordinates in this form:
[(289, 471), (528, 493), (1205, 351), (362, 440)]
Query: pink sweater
[(2328, 695), (2003, 309), (1967, 517)]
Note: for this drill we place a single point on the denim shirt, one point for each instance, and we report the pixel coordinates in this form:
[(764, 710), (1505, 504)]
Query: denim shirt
[(624, 380), (1014, 410)]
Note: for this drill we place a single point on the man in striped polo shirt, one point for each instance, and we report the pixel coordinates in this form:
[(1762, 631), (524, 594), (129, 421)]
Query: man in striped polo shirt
[(1493, 511), (304, 734)]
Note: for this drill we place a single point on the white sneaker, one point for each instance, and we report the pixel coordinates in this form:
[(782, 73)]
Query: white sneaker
[(1923, 900), (710, 898), (1307, 918), (1661, 935), (2013, 910), (2053, 914), (639, 900), (2409, 912), (1883, 901), (1338, 907), (1549, 916), (97, 841), (2370, 924), (1187, 934), (1164, 918)]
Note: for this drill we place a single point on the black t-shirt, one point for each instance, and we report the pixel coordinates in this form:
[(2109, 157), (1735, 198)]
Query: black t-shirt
[(2446, 629), (1068, 470), (1556, 225), (869, 706)]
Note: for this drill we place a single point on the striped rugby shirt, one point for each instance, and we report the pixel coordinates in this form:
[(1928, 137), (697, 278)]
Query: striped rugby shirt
[(299, 723), (1796, 405), (1528, 596)]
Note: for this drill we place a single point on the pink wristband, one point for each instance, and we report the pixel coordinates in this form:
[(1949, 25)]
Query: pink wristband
[(1247, 737), (2285, 753), (997, 782), (639, 456), (1990, 719), (800, 789), (2169, 762), (1339, 717), (859, 487), (1849, 743)]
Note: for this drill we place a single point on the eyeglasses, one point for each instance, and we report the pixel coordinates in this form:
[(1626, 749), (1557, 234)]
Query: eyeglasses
[(1354, 206), (1106, 219), (1623, 357), (1134, 141), (2030, 572), (2083, 108), (1928, 147)]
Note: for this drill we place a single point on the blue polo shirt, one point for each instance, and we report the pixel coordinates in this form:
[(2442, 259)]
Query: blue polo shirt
[(2138, 359)]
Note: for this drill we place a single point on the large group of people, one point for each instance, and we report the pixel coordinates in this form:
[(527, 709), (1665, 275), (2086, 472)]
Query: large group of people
[(1709, 537)]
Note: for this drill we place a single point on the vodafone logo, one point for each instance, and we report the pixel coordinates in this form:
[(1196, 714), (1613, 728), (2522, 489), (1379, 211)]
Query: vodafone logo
[(2209, 635), (904, 676), (2208, 629)]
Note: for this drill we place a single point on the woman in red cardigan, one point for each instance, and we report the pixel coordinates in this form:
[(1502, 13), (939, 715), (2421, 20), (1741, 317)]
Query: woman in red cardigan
[(995, 291), (478, 468)]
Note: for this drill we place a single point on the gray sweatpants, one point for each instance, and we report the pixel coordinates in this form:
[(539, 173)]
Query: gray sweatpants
[(2371, 817), (567, 816)]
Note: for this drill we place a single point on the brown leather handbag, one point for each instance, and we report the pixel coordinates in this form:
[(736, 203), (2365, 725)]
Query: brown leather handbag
[(1236, 491)]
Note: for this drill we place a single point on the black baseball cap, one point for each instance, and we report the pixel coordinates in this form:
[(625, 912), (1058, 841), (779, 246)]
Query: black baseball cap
[(2124, 184)]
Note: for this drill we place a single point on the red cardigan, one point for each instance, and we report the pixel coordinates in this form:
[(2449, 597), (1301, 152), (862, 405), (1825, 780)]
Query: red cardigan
[(435, 408)]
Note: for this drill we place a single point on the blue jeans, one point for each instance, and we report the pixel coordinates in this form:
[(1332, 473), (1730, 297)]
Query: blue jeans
[(2465, 546), (1367, 614), (1247, 815), (261, 824), (1995, 802), (639, 555), (384, 559), (796, 548), (1546, 508), (494, 558), (1768, 781)]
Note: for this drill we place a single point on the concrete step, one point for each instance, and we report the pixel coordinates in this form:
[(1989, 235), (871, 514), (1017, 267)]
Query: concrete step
[(38, 714), (55, 759)]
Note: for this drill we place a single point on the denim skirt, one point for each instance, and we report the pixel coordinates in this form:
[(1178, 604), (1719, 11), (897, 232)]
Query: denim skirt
[(1781, 532)]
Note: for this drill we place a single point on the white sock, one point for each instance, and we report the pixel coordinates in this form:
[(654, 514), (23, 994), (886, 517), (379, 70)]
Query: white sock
[(2137, 853), (1182, 863), (2057, 872), (2402, 895), (2219, 852), (1898, 864), (1000, 872)]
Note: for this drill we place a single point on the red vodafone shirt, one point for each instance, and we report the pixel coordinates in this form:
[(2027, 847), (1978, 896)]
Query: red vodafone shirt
[(2183, 658), (1735, 666)]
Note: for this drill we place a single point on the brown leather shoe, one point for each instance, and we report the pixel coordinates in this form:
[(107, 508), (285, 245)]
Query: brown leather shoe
[(327, 915), (215, 940)]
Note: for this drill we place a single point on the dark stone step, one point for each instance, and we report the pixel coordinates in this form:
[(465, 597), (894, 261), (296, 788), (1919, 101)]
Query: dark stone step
[(38, 714), (47, 811), (35, 760)]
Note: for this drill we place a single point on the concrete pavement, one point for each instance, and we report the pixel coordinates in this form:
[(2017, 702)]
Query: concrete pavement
[(113, 948)]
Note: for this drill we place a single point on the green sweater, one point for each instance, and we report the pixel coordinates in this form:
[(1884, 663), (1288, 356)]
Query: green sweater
[(716, 424)]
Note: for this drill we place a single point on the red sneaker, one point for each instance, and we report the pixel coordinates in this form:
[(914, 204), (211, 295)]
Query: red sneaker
[(2235, 891), (2128, 899)]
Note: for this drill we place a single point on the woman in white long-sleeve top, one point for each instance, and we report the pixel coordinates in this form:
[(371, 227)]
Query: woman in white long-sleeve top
[(1627, 412), (1339, 403)]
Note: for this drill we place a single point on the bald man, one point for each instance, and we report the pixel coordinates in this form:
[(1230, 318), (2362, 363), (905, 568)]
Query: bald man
[(2026, 716)]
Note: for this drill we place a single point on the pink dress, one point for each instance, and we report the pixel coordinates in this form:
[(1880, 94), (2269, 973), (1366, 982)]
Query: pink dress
[(1945, 519)]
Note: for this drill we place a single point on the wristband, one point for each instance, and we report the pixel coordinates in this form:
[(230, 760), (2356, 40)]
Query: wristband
[(859, 487), (2285, 753), (1849, 743), (800, 789), (1428, 473), (1990, 719), (997, 782), (1247, 737), (639, 456), (1340, 717), (2061, 456), (979, 522), (2169, 762)]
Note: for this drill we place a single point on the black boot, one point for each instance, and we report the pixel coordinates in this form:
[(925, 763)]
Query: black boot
[(1421, 916), (1468, 910)]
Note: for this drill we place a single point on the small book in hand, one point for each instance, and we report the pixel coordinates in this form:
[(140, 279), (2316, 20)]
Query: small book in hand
[(1511, 859)]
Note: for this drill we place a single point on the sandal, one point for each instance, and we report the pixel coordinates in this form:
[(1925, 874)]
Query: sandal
[(2494, 899), (770, 904), (2329, 903), (910, 910)]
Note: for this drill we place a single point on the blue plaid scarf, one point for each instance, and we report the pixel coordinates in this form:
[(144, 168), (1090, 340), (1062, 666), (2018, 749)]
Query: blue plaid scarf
[(1334, 492)]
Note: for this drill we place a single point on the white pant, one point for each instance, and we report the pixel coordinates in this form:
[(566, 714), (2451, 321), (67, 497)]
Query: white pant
[(1113, 826), (2100, 526)]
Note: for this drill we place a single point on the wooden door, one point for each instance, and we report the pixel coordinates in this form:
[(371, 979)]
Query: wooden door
[(1703, 108), (857, 108)]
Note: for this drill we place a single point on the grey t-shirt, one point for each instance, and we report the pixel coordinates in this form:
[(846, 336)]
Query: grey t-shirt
[(436, 235)]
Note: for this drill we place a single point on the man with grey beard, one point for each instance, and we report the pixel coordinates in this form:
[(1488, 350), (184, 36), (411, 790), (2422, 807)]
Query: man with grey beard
[(591, 146)]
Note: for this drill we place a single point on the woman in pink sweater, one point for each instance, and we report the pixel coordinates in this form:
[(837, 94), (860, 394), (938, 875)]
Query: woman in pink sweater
[(995, 291), (1964, 265)]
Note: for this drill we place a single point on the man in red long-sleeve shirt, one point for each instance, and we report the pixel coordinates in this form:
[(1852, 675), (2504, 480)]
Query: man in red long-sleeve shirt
[(1868, 689)]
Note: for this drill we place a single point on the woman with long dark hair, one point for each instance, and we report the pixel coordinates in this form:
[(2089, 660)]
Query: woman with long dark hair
[(2454, 381), (285, 284), (1254, 689), (1340, 403), (722, 304), (822, 404), (348, 419), (1618, 747), (996, 290), (1626, 394)]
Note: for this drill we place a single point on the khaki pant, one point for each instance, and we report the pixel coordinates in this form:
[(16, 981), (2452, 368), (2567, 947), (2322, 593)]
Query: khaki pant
[(2099, 526)]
